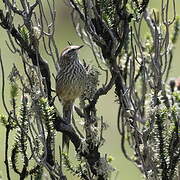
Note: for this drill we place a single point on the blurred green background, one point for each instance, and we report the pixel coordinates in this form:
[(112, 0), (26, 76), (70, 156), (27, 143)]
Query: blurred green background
[(106, 106)]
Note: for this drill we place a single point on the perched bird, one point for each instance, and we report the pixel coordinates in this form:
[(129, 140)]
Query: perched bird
[(70, 83)]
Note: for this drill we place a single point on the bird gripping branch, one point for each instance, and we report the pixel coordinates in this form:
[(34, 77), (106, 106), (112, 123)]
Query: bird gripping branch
[(70, 83)]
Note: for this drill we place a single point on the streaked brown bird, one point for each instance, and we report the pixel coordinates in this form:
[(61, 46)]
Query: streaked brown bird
[(70, 83)]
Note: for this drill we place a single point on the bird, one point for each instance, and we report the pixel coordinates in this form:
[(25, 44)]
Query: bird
[(70, 83)]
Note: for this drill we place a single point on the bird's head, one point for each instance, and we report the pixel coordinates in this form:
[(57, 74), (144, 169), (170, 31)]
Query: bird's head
[(70, 53)]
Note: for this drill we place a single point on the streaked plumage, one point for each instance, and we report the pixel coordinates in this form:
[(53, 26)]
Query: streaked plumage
[(70, 81)]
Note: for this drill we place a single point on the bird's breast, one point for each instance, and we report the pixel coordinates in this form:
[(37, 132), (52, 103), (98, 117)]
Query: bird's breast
[(70, 83)]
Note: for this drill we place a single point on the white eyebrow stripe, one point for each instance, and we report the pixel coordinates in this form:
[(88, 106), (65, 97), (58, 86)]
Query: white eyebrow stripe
[(64, 52), (68, 49)]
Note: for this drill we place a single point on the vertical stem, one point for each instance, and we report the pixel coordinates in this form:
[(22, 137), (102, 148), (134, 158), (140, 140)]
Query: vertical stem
[(6, 151)]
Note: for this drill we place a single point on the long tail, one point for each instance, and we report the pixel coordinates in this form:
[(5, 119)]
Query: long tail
[(67, 116)]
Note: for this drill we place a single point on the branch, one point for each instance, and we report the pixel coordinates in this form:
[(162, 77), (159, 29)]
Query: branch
[(33, 54), (13, 8), (3, 85), (100, 92), (8, 128), (67, 130)]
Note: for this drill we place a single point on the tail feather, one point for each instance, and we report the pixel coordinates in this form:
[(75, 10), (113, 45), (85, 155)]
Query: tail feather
[(65, 143), (67, 115)]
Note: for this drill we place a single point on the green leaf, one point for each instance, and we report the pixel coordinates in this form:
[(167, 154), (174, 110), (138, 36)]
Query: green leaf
[(14, 90), (3, 120)]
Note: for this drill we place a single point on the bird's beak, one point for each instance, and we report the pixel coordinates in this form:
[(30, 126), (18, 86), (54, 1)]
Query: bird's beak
[(79, 47)]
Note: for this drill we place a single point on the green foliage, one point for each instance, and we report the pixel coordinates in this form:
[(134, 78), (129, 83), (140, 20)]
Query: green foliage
[(110, 158), (47, 113), (37, 172), (14, 90), (24, 33), (165, 141), (104, 168), (148, 43), (108, 11), (34, 119), (176, 30), (3, 120), (91, 86), (176, 95), (20, 120), (69, 165), (21, 141), (20, 148), (111, 11), (80, 170), (14, 158), (14, 75)]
